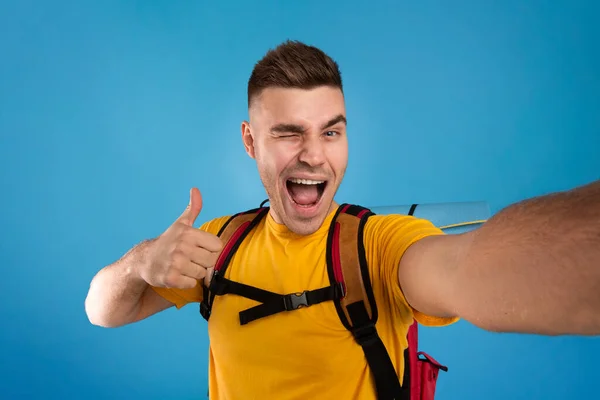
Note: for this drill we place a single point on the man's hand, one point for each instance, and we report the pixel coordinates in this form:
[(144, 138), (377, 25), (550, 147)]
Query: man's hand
[(182, 255)]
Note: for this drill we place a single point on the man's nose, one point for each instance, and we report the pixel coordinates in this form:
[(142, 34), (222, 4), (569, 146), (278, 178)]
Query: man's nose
[(312, 152)]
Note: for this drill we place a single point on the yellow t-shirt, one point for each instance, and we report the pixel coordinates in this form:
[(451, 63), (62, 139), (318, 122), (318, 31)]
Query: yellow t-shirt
[(305, 353)]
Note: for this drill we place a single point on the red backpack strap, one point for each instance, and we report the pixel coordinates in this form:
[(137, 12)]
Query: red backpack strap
[(347, 265), (412, 360), (232, 233)]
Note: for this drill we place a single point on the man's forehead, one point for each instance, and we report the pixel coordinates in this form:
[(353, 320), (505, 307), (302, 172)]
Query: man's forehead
[(300, 106)]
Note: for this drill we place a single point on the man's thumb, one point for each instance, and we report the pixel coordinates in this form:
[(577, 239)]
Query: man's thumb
[(193, 208)]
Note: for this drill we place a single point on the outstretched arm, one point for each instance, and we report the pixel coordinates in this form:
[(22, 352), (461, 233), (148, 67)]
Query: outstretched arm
[(534, 267)]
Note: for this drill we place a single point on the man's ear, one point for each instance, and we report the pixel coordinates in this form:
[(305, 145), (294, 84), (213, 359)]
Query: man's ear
[(248, 139)]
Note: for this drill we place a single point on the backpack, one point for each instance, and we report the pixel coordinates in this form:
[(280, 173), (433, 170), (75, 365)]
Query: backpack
[(350, 291)]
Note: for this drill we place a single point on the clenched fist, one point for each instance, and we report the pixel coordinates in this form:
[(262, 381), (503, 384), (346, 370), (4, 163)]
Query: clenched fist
[(182, 255)]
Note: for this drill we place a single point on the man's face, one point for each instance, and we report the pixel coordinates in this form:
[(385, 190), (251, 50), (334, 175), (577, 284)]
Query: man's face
[(298, 139)]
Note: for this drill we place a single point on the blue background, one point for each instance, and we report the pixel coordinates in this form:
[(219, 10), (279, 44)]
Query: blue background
[(111, 110)]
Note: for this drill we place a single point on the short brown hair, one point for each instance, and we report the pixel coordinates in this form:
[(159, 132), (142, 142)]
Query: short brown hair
[(293, 64)]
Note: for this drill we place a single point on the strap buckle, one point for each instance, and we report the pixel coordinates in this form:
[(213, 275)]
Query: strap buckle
[(294, 301)]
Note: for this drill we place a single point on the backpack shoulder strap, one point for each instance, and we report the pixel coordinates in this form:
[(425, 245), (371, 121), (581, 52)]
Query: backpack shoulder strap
[(232, 233), (357, 310), (346, 264)]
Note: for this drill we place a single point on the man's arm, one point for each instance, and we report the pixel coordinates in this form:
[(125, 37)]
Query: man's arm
[(119, 296), (178, 259), (534, 267)]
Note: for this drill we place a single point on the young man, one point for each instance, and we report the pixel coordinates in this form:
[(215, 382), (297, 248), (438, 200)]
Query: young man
[(534, 267)]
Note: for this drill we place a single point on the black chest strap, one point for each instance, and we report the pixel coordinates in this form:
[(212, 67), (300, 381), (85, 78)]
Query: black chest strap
[(271, 303)]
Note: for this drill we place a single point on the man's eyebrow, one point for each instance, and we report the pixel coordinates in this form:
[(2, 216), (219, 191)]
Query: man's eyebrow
[(335, 120), (295, 128), (288, 128)]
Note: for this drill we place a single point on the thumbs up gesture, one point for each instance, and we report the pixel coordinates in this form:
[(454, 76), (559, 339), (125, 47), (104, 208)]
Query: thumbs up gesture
[(182, 255)]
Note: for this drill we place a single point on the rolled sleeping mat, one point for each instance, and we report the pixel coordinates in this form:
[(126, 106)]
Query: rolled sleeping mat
[(452, 218)]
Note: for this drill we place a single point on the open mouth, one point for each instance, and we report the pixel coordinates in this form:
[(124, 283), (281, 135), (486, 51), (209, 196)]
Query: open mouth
[(305, 192)]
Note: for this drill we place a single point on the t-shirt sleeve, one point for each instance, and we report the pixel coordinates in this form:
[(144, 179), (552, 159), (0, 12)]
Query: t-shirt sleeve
[(386, 239), (181, 297)]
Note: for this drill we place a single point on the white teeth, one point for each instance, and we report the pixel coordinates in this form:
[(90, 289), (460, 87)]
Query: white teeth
[(306, 181)]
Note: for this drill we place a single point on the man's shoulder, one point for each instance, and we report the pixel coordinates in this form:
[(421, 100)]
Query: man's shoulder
[(383, 222), (214, 225), (382, 230)]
